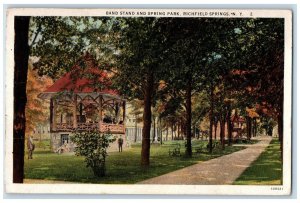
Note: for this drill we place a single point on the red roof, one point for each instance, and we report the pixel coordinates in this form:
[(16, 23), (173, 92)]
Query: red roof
[(237, 119), (83, 81)]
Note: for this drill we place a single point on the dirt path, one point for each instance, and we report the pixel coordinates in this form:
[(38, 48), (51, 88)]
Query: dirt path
[(219, 171)]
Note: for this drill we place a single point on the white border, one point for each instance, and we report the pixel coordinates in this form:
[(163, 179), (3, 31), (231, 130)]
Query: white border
[(149, 189)]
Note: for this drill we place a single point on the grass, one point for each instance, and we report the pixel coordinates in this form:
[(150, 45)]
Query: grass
[(266, 170), (122, 168), (44, 144)]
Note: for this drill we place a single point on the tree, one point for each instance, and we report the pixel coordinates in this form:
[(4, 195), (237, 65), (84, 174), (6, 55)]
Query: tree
[(137, 73), (36, 112), (21, 55), (58, 42), (186, 40), (260, 73), (93, 146)]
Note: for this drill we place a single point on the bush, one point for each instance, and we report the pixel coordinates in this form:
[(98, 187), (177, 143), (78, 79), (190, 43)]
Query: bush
[(215, 143), (93, 146)]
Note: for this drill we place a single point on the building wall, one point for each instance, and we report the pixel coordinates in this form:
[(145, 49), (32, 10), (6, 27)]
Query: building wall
[(57, 142), (41, 132), (132, 131)]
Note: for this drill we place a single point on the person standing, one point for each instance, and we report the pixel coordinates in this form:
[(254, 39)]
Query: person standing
[(30, 147), (120, 143)]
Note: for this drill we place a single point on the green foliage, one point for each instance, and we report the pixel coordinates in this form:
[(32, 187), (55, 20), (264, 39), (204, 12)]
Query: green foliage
[(267, 124), (259, 57), (58, 42), (200, 107), (139, 45), (93, 146)]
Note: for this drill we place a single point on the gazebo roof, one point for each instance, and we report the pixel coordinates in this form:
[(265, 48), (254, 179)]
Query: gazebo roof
[(79, 80)]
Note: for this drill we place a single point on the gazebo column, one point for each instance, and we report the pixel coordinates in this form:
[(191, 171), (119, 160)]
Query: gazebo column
[(75, 112), (124, 112), (117, 112), (124, 115), (53, 114), (100, 111)]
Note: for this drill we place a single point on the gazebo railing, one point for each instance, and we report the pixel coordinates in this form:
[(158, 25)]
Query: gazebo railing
[(87, 126), (113, 128), (64, 127)]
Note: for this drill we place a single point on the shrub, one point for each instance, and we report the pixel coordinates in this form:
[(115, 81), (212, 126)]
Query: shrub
[(93, 146)]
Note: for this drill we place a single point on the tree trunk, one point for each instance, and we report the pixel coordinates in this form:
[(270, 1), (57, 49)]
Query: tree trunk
[(229, 127), (178, 130), (167, 135), (154, 130), (188, 125), (222, 131), (147, 115), (21, 55), (172, 128), (254, 127), (182, 129), (280, 130), (216, 127), (160, 131), (249, 127), (211, 117)]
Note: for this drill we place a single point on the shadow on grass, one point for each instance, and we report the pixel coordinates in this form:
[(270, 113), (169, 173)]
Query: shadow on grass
[(266, 170)]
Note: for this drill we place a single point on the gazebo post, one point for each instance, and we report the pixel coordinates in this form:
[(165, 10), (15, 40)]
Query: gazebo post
[(51, 114), (124, 111), (124, 115), (54, 115), (75, 112)]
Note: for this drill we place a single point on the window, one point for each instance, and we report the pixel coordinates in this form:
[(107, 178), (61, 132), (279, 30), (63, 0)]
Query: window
[(64, 138)]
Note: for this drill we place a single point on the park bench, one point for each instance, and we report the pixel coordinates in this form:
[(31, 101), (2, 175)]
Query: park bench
[(175, 151), (214, 144), (198, 150)]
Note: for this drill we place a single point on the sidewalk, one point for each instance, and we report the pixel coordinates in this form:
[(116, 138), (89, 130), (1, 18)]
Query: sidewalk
[(223, 170)]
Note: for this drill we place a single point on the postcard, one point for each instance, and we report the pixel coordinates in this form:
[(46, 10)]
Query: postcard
[(148, 101)]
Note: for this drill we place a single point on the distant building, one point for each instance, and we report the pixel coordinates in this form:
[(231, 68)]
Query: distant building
[(134, 126), (41, 132)]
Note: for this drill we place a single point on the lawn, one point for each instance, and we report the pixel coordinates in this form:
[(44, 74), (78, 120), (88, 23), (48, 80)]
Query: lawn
[(266, 170), (122, 168)]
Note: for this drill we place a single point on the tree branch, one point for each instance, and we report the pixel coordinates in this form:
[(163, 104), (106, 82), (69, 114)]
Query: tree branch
[(36, 34)]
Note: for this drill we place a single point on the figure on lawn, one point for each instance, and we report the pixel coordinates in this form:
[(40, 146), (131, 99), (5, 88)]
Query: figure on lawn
[(30, 147), (120, 143)]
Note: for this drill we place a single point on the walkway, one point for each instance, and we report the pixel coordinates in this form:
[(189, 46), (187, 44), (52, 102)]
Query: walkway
[(219, 171)]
